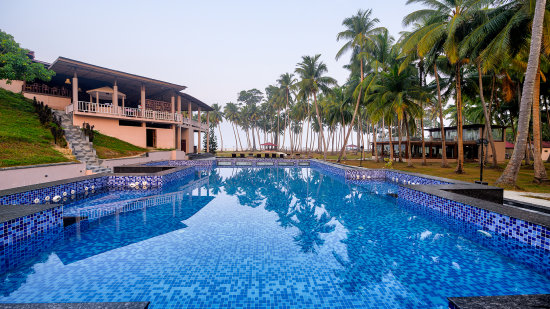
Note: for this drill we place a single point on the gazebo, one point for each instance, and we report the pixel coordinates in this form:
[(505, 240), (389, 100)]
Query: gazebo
[(269, 146), (351, 147), (105, 93)]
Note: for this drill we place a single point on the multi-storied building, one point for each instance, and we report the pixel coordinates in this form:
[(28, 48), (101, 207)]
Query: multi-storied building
[(142, 111)]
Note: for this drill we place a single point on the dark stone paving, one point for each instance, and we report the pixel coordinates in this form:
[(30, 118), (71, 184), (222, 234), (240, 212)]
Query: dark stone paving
[(10, 212), (501, 302), (125, 305)]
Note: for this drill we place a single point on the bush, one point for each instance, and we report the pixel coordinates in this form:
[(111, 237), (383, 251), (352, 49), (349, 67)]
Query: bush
[(48, 119), (88, 131)]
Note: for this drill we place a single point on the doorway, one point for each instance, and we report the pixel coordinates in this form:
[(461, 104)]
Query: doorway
[(151, 138), (184, 145)]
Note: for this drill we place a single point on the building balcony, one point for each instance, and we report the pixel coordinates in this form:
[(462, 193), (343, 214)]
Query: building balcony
[(112, 111)]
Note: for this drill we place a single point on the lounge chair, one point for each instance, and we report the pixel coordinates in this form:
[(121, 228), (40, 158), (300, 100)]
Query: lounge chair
[(258, 155), (241, 155), (233, 155), (274, 155), (266, 155), (282, 155)]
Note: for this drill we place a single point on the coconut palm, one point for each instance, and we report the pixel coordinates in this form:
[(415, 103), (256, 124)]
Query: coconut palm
[(287, 84), (448, 20), (216, 117), (509, 176), (231, 112), (312, 80), (358, 33)]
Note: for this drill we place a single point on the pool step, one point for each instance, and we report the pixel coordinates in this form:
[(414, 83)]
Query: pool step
[(524, 205)]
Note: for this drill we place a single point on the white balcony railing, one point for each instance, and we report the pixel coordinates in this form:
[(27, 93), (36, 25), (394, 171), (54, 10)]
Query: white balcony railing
[(108, 109)]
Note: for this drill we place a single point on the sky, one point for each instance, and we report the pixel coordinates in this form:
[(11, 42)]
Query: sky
[(215, 48)]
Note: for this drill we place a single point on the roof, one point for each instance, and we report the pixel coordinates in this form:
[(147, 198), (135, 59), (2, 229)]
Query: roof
[(509, 145), (466, 126), (268, 144), (545, 144), (70, 66), (193, 100)]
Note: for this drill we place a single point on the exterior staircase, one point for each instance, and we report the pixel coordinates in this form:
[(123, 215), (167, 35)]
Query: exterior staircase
[(82, 148)]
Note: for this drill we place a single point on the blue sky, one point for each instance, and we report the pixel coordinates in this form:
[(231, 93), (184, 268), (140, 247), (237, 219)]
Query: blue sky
[(215, 48)]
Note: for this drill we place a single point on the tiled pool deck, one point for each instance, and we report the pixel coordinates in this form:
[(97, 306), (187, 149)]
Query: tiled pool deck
[(475, 205)]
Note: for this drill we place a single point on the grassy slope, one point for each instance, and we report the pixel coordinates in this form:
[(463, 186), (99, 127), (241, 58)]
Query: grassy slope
[(23, 141), (108, 147)]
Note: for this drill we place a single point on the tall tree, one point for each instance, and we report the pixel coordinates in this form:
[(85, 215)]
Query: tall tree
[(216, 117), (358, 31), (312, 80), (448, 19), (287, 84), (16, 62), (510, 174)]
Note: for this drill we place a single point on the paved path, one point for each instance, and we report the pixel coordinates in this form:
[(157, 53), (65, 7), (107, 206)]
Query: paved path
[(524, 197)]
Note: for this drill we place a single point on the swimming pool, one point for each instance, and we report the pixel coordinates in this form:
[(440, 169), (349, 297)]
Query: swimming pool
[(266, 237)]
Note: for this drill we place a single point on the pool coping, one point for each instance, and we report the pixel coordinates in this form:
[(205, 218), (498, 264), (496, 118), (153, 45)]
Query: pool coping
[(11, 212), (501, 301), (103, 305), (446, 191)]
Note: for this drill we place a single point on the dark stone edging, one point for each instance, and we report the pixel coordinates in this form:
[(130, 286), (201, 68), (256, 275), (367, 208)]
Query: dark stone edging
[(502, 302), (117, 305), (11, 212)]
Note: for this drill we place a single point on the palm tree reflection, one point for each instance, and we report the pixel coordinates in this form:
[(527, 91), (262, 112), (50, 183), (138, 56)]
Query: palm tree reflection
[(286, 192)]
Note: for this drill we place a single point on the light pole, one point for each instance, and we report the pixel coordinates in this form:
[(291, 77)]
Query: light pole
[(482, 141)]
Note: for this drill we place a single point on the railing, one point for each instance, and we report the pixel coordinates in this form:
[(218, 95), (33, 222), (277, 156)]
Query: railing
[(45, 89), (109, 109)]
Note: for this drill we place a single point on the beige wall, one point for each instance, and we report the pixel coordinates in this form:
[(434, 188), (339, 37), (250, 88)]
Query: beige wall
[(545, 153), (13, 177), (165, 138), (55, 102), (500, 148), (132, 135), (15, 86)]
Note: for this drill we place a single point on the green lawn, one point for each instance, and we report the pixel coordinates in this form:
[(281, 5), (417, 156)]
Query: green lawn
[(23, 140), (108, 147)]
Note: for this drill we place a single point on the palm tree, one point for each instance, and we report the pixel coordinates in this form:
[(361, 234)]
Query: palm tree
[(446, 28), (216, 117), (231, 112), (311, 72), (510, 174), (287, 84), (359, 30)]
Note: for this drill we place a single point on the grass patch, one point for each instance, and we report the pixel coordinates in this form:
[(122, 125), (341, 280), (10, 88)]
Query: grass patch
[(108, 147), (23, 140)]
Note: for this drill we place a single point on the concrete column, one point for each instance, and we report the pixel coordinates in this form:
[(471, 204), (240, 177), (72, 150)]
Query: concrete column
[(199, 142), (189, 111), (115, 97), (173, 104), (178, 127), (143, 100), (208, 132), (75, 91)]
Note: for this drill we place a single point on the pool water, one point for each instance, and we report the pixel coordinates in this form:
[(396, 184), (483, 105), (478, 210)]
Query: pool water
[(264, 238)]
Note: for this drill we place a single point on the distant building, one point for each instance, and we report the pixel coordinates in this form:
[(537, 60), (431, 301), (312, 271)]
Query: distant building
[(433, 147), (142, 111)]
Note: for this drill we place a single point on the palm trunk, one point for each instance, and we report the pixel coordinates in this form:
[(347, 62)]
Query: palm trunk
[(320, 126), (460, 159), (510, 174), (354, 115), (399, 141), (488, 128), (391, 141), (375, 132), (540, 170), (422, 134), (221, 138), (444, 162), (409, 152)]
